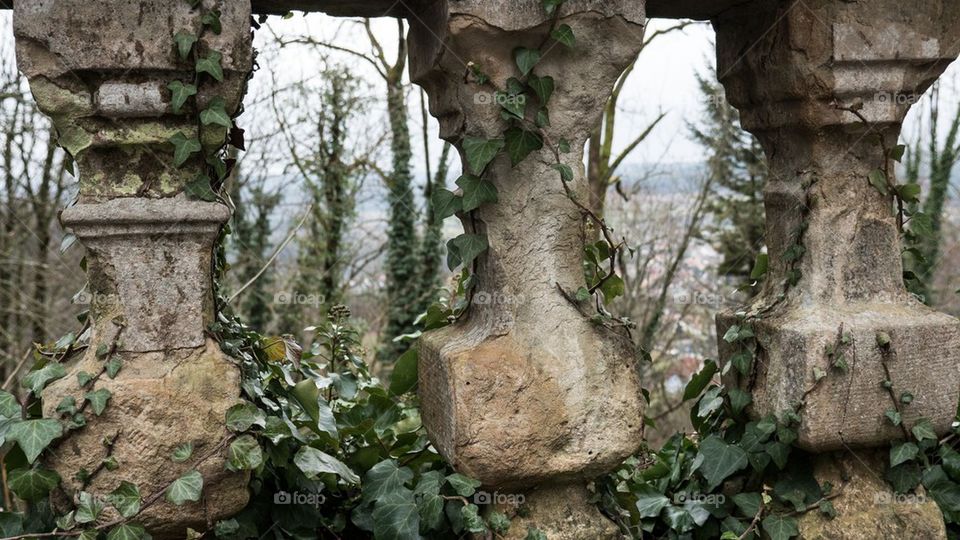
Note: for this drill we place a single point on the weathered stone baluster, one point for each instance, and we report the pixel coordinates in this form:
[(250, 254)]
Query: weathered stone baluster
[(820, 83), (526, 391), (100, 70)]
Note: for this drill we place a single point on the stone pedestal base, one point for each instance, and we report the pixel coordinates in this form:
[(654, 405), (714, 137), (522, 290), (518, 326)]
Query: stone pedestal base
[(516, 410), (561, 513), (867, 507), (847, 408), (159, 402)]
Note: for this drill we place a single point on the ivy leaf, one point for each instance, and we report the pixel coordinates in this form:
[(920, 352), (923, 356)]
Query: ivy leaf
[(550, 6), (313, 462), (98, 400), (127, 531), (909, 192), (113, 367), (739, 400), (212, 20), (893, 416), (200, 189), (383, 479), (897, 152), (780, 527), (564, 34), (700, 380), (543, 118), (566, 173), (183, 148), (520, 143), (902, 453), (182, 453), (65, 342), (543, 86), (9, 406), (186, 488), (396, 517), (445, 204), (180, 94), (185, 42), (472, 522), (650, 501), (742, 361), (308, 396), (613, 287), (84, 378), (33, 485), (88, 508), (923, 430), (34, 436), (465, 248), (404, 376), (37, 380), (720, 460), (216, 114), (760, 266), (904, 477), (211, 65), (480, 152), (244, 416), (514, 106), (678, 519), (463, 485), (126, 499), (748, 503), (878, 179), (244, 454), (476, 192), (526, 59)]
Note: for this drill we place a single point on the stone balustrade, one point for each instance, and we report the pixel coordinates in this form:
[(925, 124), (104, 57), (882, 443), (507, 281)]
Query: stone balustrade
[(526, 394)]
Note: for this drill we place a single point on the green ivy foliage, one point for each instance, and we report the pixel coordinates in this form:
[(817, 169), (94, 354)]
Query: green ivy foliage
[(350, 450)]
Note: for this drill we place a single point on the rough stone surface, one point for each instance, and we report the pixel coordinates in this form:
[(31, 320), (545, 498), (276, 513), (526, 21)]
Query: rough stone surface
[(561, 512), (100, 70), (867, 507), (791, 69), (847, 409), (149, 261), (672, 9), (160, 401), (526, 389)]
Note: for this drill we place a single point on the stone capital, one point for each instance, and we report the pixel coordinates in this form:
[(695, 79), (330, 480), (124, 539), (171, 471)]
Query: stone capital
[(101, 70)]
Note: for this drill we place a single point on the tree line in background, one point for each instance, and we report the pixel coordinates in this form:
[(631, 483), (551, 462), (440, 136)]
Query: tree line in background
[(333, 207)]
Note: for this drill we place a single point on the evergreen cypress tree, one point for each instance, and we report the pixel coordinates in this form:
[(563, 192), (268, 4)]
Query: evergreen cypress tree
[(738, 169)]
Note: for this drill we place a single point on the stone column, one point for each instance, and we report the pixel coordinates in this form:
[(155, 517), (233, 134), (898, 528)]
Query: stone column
[(525, 391), (825, 86), (100, 70)]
